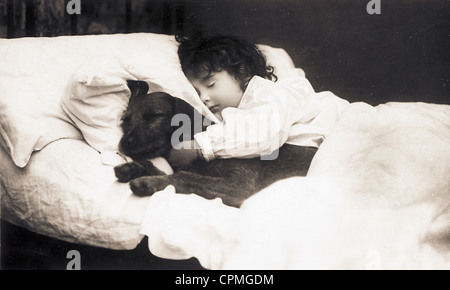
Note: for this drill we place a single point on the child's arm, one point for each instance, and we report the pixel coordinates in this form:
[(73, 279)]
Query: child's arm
[(187, 153), (244, 134)]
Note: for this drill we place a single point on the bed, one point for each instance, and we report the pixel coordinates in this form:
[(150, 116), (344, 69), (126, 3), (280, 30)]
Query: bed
[(377, 194)]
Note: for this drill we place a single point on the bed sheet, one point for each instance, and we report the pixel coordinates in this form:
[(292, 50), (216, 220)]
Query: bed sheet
[(65, 192), (377, 196)]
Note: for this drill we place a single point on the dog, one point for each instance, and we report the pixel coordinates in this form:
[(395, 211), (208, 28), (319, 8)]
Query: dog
[(147, 133)]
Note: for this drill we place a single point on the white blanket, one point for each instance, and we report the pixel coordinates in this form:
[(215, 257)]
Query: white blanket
[(377, 196)]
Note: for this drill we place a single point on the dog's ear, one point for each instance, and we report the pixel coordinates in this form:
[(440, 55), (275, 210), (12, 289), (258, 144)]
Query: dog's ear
[(137, 88)]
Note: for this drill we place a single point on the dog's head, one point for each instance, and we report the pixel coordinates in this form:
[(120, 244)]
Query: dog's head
[(146, 123)]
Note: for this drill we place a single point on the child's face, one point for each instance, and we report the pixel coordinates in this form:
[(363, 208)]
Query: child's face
[(218, 90)]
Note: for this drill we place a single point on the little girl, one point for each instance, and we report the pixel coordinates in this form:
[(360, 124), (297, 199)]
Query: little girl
[(259, 113)]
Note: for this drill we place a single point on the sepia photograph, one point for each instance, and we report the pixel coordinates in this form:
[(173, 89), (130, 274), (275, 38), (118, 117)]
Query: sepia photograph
[(225, 135)]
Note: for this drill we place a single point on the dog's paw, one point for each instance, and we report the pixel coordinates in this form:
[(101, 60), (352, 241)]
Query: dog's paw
[(147, 185), (125, 172)]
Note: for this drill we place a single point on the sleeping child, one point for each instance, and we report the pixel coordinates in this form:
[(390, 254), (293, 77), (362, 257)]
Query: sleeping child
[(258, 111)]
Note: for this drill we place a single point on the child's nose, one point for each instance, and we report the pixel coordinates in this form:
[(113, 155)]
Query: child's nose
[(204, 97)]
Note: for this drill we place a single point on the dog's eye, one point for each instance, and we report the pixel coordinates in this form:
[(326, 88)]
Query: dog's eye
[(151, 116)]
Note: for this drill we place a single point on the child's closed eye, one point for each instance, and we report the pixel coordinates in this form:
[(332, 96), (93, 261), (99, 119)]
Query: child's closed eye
[(211, 85)]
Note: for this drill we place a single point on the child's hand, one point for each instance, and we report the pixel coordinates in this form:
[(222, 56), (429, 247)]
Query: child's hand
[(180, 158)]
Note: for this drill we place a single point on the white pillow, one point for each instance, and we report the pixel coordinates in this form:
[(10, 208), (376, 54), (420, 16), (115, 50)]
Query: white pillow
[(33, 76), (97, 96)]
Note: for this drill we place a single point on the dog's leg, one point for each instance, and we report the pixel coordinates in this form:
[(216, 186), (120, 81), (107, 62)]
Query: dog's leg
[(131, 170), (292, 161), (232, 194)]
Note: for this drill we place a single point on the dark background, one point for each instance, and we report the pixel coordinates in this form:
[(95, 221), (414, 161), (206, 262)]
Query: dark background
[(401, 54)]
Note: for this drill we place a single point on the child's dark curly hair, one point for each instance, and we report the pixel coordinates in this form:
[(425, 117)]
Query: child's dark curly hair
[(235, 55)]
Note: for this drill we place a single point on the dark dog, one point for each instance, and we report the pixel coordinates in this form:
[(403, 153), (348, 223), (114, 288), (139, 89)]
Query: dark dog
[(148, 132)]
